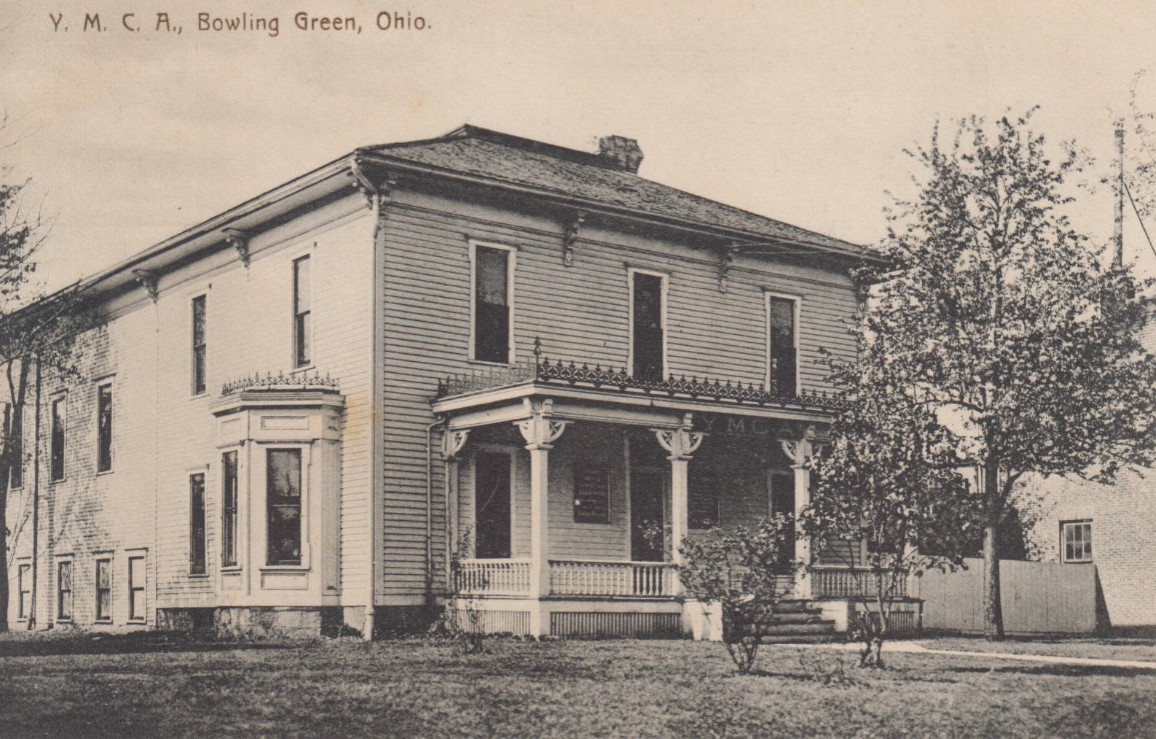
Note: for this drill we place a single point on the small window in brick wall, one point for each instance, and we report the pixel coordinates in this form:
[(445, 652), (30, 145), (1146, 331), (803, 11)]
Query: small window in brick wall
[(104, 590), (1077, 541), (64, 591), (104, 428)]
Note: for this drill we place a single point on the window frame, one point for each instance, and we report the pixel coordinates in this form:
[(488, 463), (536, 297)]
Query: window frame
[(63, 594), (1086, 543), (102, 616), (198, 567), (302, 320), (230, 515), (607, 479), (58, 428), (302, 507), (134, 588), (199, 350), (23, 590), (511, 303), (797, 314), (664, 313), (104, 442)]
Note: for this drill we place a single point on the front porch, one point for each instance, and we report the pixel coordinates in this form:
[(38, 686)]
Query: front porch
[(570, 494)]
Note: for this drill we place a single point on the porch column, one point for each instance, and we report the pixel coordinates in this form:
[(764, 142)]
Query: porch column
[(680, 443), (452, 443), (540, 432), (800, 451)]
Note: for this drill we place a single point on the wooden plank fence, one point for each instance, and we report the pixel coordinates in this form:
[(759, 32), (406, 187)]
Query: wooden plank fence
[(1037, 598)]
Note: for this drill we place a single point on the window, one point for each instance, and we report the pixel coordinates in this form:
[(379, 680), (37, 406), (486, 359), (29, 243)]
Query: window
[(283, 506), (24, 584), (591, 493), (104, 428), (57, 444), (782, 345), (493, 323), (137, 576), (16, 473), (302, 312), (229, 509), (1077, 541), (199, 345), (702, 495), (647, 326), (64, 591), (104, 590), (197, 524)]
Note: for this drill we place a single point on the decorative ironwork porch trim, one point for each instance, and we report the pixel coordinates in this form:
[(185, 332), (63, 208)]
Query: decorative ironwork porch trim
[(280, 381)]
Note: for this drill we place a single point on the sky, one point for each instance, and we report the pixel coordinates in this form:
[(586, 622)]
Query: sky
[(800, 111)]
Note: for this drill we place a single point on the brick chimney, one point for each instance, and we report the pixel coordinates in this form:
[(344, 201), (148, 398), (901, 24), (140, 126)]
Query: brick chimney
[(620, 152)]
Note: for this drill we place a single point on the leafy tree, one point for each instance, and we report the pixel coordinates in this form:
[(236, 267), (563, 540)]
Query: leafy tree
[(735, 567), (1005, 322), (37, 333), (876, 481)]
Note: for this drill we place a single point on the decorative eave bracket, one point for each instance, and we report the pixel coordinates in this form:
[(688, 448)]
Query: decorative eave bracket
[(573, 228), (239, 240), (452, 443), (726, 261), (148, 279), (376, 197)]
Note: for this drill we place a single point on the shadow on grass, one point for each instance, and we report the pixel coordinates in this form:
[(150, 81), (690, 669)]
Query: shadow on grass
[(44, 645), (1056, 670)]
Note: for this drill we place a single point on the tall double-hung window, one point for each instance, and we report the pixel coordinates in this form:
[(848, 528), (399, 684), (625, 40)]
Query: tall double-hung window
[(302, 312), (783, 345), (647, 325), (283, 506), (56, 444), (199, 344), (229, 509), (492, 332), (104, 428)]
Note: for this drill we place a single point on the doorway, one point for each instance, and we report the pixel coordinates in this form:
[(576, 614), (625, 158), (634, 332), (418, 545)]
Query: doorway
[(649, 473)]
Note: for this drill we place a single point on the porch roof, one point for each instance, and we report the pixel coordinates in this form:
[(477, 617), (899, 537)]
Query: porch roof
[(579, 392)]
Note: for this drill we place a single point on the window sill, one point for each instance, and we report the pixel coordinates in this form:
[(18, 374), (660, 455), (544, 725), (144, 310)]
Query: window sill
[(105, 621), (483, 363), (198, 576), (284, 568), (232, 569), (303, 368), (198, 396), (137, 622), (102, 473), (57, 482)]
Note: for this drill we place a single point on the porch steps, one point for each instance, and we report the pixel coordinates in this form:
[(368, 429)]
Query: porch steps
[(796, 620)]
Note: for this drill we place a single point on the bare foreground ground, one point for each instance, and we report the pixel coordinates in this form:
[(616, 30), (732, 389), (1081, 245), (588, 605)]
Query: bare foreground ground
[(166, 685)]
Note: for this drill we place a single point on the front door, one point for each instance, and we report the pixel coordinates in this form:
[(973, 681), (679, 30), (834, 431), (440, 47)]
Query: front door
[(492, 505), (648, 475), (782, 484)]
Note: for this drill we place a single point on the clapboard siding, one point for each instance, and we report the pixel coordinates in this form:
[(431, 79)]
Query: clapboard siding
[(580, 314)]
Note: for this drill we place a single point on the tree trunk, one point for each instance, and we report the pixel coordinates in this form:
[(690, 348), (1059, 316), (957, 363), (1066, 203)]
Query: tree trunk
[(4, 595), (992, 608)]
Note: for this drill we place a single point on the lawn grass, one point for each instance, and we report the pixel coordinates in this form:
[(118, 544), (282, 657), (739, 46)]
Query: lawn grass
[(161, 685)]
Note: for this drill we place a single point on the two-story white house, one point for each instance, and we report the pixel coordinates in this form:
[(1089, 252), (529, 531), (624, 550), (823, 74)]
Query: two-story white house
[(475, 349)]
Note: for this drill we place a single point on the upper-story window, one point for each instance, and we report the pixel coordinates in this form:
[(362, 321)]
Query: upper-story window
[(782, 345), (199, 345), (647, 325), (493, 320), (1077, 544), (57, 440), (302, 313), (104, 428)]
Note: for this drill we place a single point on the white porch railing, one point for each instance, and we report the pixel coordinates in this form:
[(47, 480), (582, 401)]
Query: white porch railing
[(847, 582), (493, 577), (638, 579)]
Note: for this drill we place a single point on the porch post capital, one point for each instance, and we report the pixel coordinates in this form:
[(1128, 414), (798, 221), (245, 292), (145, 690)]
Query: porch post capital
[(452, 443), (679, 443), (540, 430)]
